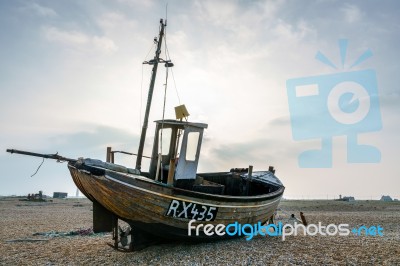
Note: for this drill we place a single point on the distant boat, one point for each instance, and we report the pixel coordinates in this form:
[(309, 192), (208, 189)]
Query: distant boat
[(158, 204)]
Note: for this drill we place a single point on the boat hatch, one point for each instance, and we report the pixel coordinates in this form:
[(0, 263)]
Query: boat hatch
[(179, 144)]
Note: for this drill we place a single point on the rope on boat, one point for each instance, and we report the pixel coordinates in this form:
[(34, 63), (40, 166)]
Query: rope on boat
[(38, 168)]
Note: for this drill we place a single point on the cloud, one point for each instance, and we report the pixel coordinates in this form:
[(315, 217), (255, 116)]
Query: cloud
[(88, 140), (41, 10), (112, 21), (390, 99), (279, 121), (221, 13), (138, 3), (65, 37), (352, 13), (252, 151), (231, 59), (104, 44), (93, 138), (79, 39)]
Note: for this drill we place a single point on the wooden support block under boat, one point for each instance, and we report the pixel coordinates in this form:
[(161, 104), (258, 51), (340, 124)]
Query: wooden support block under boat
[(102, 218)]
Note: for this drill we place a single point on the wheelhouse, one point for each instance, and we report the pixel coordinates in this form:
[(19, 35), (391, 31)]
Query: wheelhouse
[(176, 150)]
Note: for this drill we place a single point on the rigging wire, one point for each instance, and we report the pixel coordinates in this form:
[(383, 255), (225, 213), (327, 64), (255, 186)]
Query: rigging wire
[(163, 114), (167, 57), (165, 93), (172, 71), (166, 74)]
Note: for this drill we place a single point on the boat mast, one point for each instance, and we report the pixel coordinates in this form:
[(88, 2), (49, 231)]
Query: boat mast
[(153, 62)]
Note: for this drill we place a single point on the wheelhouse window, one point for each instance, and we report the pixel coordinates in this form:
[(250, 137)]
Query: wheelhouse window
[(192, 144), (164, 136)]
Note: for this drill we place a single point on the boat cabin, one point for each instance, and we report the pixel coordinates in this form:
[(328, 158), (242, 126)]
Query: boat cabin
[(176, 150), (175, 157)]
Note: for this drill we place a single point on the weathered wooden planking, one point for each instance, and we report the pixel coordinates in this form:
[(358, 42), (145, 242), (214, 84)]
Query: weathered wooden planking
[(144, 202)]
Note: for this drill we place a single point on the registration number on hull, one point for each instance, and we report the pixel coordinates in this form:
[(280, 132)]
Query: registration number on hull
[(190, 210)]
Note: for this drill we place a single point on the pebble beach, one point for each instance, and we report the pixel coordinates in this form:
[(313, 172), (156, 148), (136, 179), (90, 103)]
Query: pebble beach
[(38, 233)]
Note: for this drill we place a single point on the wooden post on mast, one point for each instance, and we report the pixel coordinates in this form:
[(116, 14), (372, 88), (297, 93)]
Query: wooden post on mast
[(158, 166), (248, 180), (108, 155), (171, 172)]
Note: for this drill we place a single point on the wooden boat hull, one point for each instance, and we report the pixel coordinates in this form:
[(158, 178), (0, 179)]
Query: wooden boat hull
[(146, 204)]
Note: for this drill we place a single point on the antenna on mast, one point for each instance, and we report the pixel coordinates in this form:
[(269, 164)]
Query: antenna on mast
[(166, 13)]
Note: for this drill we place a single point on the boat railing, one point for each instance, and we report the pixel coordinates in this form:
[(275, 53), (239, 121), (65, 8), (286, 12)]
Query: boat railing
[(110, 158)]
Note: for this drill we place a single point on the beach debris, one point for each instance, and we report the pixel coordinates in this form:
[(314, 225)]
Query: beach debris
[(79, 232), (292, 219), (25, 240), (303, 219), (123, 235)]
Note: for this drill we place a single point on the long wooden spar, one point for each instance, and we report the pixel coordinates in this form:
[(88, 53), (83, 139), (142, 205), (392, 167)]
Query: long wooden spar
[(46, 156)]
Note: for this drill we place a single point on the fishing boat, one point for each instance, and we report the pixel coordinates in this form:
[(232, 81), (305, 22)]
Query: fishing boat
[(159, 204)]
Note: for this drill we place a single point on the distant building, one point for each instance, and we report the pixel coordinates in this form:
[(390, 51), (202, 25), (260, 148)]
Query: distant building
[(60, 195), (37, 196), (348, 198), (386, 198)]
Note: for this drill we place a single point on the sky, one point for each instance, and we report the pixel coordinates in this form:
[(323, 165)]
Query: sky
[(72, 81)]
